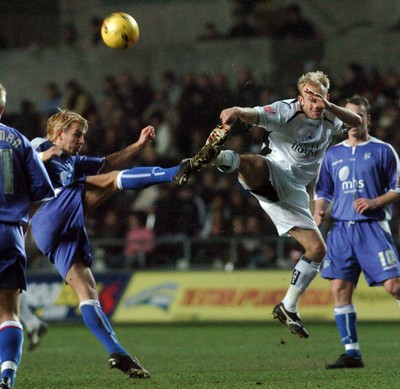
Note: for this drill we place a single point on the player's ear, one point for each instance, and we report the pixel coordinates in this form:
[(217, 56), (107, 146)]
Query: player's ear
[(328, 96), (1, 110), (59, 133), (301, 99)]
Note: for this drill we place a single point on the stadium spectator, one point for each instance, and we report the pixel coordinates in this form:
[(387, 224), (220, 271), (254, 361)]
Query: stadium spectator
[(300, 131), (139, 241), (165, 140), (95, 34), (111, 88), (77, 99), (111, 227), (222, 91), (354, 81), (24, 181), (172, 86), (246, 87), (241, 27), (264, 258), (53, 100), (190, 214), (136, 96), (83, 183), (252, 241), (71, 35), (209, 32), (360, 239), (28, 121), (216, 218), (295, 26), (3, 43)]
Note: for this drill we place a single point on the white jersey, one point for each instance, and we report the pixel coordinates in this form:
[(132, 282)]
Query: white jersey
[(297, 143)]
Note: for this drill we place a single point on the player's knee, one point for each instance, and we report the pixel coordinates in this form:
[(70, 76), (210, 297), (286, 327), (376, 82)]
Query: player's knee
[(393, 287), (317, 252)]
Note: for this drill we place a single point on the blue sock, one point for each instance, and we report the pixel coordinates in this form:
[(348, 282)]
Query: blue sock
[(11, 339), (97, 322), (143, 177), (346, 321)]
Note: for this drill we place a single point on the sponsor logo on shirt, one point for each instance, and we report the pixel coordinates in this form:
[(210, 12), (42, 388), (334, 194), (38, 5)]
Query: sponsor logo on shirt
[(269, 109), (336, 162), (349, 185), (306, 149)]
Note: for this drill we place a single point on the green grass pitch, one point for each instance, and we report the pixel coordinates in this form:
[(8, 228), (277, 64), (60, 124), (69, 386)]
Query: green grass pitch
[(213, 356)]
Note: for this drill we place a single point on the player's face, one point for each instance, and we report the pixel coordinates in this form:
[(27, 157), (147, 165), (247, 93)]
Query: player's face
[(312, 106), (73, 139), (360, 132)]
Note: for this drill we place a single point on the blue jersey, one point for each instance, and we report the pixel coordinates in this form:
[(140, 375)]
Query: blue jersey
[(58, 227), (367, 171), (66, 169), (23, 178)]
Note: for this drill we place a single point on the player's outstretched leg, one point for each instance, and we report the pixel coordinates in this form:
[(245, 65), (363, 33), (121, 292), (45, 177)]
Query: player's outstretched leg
[(98, 323), (143, 177), (207, 153), (291, 319)]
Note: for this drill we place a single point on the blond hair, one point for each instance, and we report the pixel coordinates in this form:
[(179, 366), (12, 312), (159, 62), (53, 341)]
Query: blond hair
[(62, 121), (318, 79), (3, 95)]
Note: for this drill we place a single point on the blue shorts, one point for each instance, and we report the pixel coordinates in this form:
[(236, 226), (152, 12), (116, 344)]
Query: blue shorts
[(12, 257), (355, 247), (59, 231)]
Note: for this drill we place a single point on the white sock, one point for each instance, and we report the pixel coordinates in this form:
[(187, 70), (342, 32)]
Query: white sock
[(27, 317), (227, 161), (303, 274)]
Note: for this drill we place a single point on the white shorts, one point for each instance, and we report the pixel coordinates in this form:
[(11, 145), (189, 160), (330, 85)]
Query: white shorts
[(293, 209)]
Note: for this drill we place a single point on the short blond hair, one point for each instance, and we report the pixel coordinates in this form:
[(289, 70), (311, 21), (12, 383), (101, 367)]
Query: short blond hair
[(317, 78), (3, 95), (62, 121)]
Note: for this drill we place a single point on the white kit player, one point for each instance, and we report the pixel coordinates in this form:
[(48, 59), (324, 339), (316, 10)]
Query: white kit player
[(300, 131), (361, 177)]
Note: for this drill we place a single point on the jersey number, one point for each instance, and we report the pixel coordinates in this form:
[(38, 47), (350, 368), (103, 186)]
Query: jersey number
[(387, 258), (7, 170)]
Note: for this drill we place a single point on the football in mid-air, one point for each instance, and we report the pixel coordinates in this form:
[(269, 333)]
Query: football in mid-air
[(119, 30)]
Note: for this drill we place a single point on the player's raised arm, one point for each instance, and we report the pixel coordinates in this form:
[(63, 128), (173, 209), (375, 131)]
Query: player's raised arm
[(124, 158), (246, 115), (345, 115)]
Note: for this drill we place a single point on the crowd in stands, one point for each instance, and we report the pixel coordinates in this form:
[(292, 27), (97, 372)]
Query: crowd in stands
[(184, 111), (263, 18)]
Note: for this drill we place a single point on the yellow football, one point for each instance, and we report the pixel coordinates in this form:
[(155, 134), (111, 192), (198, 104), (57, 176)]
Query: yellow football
[(119, 30)]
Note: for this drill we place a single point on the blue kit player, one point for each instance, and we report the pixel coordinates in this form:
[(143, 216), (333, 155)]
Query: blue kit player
[(360, 176), (58, 227), (23, 180)]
